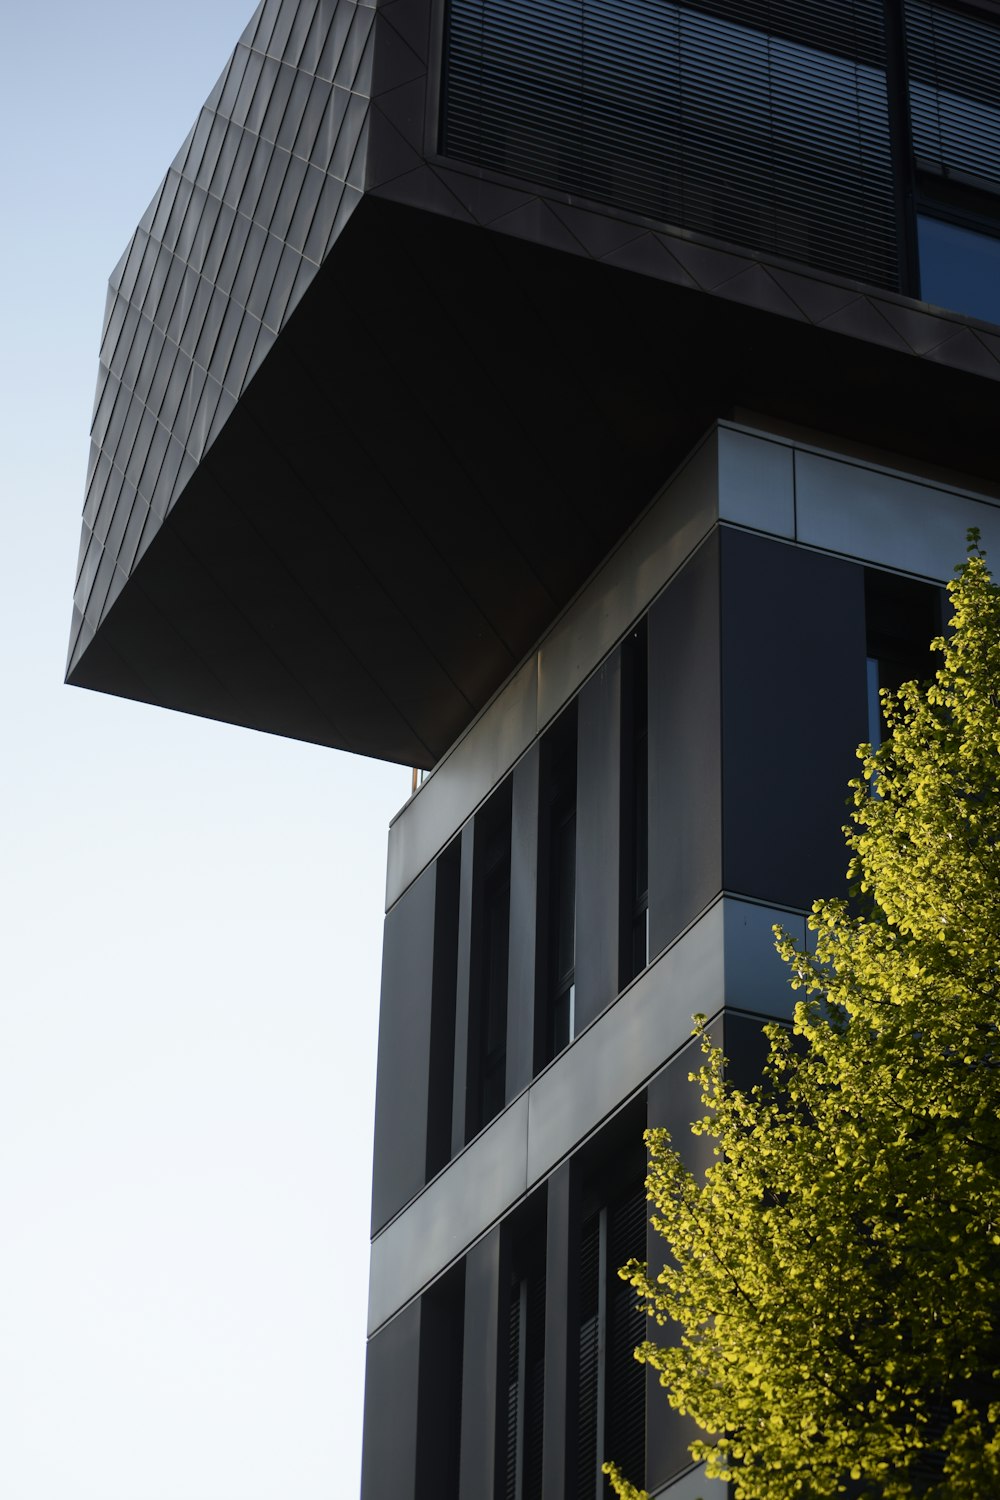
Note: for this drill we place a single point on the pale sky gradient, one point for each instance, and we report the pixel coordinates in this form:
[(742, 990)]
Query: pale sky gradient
[(190, 915)]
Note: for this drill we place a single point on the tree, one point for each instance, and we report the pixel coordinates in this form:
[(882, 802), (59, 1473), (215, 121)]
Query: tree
[(833, 1276)]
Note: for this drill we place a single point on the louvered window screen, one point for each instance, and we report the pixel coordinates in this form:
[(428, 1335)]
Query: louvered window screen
[(589, 1356), (611, 1415), (763, 124), (625, 1425), (525, 1387), (953, 60)]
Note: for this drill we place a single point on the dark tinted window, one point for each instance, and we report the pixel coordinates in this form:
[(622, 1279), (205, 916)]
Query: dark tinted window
[(960, 267), (490, 939), (611, 1420), (555, 1020), (902, 617), (634, 883)]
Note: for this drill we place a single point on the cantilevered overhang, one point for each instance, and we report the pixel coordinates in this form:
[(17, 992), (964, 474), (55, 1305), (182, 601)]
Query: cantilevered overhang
[(397, 447)]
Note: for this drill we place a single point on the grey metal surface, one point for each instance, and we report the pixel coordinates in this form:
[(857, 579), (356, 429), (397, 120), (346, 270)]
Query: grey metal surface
[(400, 1153), (685, 767), (389, 1450), (262, 186), (756, 482), (882, 518)]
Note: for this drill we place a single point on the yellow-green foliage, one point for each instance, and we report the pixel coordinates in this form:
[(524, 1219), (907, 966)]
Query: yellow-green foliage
[(833, 1280)]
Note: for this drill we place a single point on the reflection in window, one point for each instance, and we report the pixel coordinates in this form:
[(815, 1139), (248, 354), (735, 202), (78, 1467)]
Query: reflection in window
[(960, 267)]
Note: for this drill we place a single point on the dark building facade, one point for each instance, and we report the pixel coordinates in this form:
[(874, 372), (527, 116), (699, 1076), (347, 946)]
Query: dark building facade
[(582, 401)]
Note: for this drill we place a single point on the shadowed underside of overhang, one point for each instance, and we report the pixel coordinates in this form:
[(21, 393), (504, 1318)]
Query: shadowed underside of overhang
[(451, 432)]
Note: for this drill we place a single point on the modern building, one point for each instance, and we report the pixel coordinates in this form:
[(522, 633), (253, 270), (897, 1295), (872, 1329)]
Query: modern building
[(582, 401)]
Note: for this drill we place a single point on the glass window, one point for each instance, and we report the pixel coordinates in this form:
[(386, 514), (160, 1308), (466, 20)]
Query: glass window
[(556, 1022), (491, 938), (525, 1386), (959, 267), (610, 1404), (634, 942), (902, 616)]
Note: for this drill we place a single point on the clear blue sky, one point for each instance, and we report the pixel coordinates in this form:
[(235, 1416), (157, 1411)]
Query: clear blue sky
[(191, 916)]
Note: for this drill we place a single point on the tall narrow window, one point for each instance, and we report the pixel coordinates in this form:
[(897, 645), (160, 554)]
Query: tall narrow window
[(634, 879), (611, 1421), (556, 1016), (902, 616), (953, 65), (491, 938), (439, 1388), (525, 1377), (442, 1047)]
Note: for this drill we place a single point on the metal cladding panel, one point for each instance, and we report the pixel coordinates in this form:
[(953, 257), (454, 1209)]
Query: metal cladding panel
[(404, 1064), (793, 711), (389, 1450), (685, 774), (254, 199)]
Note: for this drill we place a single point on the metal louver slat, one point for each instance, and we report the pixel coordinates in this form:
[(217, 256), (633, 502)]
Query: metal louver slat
[(534, 1387), (589, 1358), (764, 124), (625, 1438), (513, 1390), (953, 58)]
